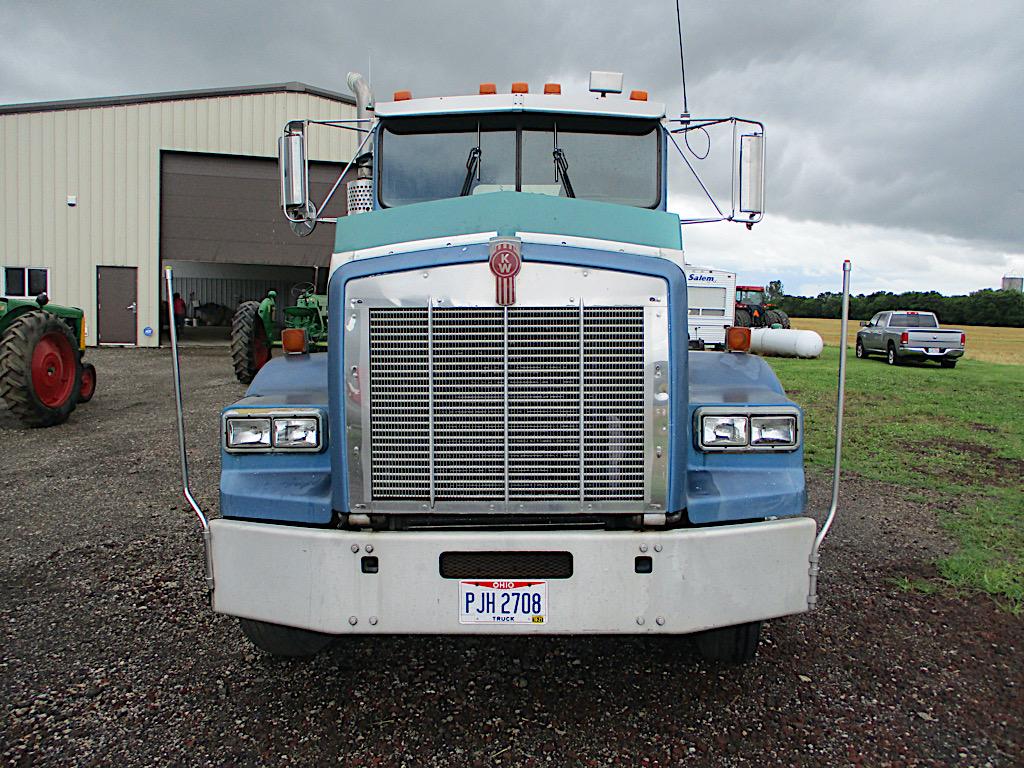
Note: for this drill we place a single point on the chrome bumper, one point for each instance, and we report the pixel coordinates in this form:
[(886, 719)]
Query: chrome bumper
[(700, 578)]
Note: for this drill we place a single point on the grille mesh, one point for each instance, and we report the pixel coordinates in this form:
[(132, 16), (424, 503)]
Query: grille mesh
[(505, 565), (523, 404)]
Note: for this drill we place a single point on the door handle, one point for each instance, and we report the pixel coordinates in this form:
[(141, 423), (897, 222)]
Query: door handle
[(133, 307)]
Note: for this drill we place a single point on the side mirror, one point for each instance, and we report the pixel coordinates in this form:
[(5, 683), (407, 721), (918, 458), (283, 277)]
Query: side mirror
[(864, 323), (294, 169), (752, 175)]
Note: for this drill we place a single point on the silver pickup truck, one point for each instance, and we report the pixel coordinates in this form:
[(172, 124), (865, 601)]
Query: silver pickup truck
[(907, 335)]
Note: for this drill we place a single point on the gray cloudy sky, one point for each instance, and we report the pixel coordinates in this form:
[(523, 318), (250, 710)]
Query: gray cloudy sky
[(894, 128)]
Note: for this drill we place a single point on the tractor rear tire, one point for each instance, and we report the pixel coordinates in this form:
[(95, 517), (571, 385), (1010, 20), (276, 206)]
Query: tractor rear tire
[(88, 385), (782, 318), (278, 640), (743, 319), (40, 370), (730, 645), (250, 347)]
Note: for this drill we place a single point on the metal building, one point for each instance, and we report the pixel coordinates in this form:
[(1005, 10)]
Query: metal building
[(97, 194)]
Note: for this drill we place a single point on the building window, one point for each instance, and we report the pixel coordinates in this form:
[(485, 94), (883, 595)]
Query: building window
[(26, 282)]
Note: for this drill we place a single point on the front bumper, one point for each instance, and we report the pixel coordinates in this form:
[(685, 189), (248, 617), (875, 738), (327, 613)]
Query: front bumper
[(701, 578)]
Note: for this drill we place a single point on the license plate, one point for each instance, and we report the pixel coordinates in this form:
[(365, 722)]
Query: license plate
[(503, 602)]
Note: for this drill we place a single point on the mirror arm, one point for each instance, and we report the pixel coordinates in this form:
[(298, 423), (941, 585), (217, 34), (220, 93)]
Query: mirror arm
[(356, 156)]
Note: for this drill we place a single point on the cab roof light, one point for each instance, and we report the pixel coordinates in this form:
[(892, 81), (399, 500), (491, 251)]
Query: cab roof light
[(293, 340), (553, 88), (402, 95), (638, 95), (520, 87), (488, 89), (737, 339)]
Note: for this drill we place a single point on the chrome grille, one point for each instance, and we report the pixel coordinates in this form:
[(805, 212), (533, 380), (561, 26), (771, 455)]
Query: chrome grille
[(522, 404)]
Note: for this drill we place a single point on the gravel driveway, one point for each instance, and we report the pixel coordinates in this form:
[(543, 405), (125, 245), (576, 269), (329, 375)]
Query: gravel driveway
[(110, 655)]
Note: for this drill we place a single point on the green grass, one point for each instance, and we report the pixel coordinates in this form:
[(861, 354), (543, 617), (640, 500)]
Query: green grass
[(956, 432)]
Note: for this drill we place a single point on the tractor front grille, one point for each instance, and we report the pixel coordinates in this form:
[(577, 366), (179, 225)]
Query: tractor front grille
[(518, 404)]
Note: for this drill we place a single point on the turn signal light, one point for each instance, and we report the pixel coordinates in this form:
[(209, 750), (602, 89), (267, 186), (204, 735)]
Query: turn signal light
[(488, 89), (555, 88), (638, 95), (294, 341), (904, 338), (520, 87), (403, 95), (737, 339)]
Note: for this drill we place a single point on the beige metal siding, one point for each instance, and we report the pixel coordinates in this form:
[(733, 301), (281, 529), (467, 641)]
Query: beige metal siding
[(109, 157)]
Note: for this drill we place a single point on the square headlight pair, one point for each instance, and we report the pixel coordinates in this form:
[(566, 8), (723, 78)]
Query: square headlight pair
[(291, 432), (748, 431)]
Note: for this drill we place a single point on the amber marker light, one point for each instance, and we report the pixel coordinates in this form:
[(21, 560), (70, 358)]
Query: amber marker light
[(553, 88), (293, 340), (737, 339), (403, 95), (520, 87), (488, 89), (638, 96)]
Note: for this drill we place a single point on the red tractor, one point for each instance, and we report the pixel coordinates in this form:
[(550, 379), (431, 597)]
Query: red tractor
[(753, 312)]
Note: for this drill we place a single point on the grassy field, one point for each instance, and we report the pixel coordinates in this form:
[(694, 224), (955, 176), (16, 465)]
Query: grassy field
[(959, 432), (994, 345)]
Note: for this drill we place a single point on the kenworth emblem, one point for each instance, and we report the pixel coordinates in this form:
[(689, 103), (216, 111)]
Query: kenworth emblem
[(505, 263)]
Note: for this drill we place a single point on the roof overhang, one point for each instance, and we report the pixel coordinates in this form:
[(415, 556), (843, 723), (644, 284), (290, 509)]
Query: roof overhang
[(521, 102)]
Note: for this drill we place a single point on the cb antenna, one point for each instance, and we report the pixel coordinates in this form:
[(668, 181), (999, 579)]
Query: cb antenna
[(682, 61)]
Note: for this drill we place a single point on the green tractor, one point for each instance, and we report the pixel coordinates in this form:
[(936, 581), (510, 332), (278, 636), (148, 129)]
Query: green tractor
[(42, 376), (255, 334)]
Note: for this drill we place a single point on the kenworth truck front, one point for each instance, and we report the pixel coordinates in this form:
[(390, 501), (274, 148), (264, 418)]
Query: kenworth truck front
[(507, 433)]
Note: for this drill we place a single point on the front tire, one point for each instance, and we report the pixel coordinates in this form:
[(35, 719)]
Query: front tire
[(730, 645), (40, 372), (891, 357), (87, 387), (278, 640), (250, 347), (861, 352)]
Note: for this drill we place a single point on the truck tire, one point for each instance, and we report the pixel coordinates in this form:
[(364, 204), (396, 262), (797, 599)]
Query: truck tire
[(890, 356), (783, 318), (947, 363), (40, 371), (87, 388), (731, 645), (250, 347), (278, 640), (861, 352), (743, 319)]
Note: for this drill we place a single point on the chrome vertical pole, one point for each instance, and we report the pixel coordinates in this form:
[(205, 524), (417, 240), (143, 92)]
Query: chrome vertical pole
[(182, 453), (812, 595)]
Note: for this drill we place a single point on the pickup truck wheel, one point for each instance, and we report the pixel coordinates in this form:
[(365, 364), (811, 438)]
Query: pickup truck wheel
[(278, 640), (891, 357), (732, 645), (861, 352), (948, 363)]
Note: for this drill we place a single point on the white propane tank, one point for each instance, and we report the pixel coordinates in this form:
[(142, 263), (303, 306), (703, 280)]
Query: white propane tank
[(785, 342)]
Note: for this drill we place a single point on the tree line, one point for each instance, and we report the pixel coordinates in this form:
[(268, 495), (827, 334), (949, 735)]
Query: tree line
[(986, 307)]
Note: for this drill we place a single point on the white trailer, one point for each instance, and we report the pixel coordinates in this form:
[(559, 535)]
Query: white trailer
[(711, 296)]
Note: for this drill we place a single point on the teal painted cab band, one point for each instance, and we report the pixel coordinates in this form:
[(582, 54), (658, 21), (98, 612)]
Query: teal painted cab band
[(508, 213)]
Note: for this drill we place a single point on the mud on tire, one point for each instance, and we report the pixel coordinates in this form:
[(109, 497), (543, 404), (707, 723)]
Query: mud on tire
[(40, 371), (250, 347)]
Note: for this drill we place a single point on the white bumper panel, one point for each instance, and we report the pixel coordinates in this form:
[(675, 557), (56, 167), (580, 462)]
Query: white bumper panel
[(701, 578)]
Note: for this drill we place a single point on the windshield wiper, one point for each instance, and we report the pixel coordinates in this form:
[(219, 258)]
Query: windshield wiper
[(472, 162), (562, 168)]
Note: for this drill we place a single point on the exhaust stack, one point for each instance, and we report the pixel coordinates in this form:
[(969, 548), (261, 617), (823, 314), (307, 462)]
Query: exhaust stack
[(364, 96)]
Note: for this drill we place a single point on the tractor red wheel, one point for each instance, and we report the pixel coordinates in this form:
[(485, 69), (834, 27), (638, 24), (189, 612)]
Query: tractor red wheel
[(40, 374), (88, 386), (250, 347)]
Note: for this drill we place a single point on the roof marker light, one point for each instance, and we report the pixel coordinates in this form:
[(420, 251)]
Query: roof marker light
[(488, 89), (403, 95), (553, 88), (520, 87), (638, 95)]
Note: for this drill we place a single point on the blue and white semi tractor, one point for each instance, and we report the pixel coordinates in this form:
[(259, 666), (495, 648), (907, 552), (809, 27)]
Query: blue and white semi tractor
[(508, 433)]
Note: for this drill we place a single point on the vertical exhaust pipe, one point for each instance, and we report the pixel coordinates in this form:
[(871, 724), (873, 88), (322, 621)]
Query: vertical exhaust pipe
[(364, 96)]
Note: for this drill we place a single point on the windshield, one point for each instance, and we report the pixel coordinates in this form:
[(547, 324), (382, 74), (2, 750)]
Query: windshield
[(901, 320), (749, 297), (607, 159)]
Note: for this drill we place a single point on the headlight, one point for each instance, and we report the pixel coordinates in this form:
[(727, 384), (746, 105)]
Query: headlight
[(248, 433), (296, 433), (750, 428), (773, 430), (724, 430), (269, 431)]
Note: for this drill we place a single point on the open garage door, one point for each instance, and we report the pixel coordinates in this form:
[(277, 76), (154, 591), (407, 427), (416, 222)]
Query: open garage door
[(222, 230)]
